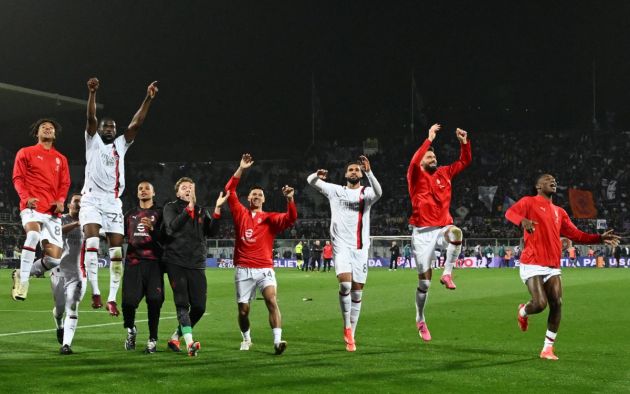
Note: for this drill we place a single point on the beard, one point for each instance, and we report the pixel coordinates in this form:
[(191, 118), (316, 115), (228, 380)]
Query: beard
[(431, 168), (353, 181)]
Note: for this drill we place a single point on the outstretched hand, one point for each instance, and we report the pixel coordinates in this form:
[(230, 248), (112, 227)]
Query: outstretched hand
[(611, 239), (222, 198), (93, 84), (529, 225), (152, 90), (322, 174), (433, 131), (246, 161), (365, 163)]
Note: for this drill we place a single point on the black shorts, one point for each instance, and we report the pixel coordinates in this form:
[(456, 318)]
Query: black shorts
[(189, 285), (298, 256), (145, 279)]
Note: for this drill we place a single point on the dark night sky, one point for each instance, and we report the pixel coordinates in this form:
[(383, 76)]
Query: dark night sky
[(238, 74)]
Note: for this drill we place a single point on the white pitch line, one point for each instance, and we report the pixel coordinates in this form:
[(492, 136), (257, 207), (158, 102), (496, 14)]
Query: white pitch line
[(50, 311), (90, 326)]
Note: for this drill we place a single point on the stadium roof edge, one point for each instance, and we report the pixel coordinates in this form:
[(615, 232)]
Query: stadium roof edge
[(38, 93)]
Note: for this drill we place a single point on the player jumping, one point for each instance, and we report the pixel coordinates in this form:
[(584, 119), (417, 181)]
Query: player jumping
[(104, 183), (543, 224), (430, 193), (41, 178)]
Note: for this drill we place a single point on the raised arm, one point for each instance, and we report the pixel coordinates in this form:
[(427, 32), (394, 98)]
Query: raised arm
[(282, 221), (141, 114), (92, 121), (367, 169), (413, 172), (211, 221), (230, 187), (465, 153), (318, 181)]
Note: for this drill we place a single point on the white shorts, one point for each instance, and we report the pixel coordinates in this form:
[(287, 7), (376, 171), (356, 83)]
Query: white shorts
[(50, 225), (107, 213), (354, 261), (424, 241), (530, 270), (66, 291), (247, 280)]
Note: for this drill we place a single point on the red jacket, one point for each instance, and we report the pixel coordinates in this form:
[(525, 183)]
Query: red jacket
[(43, 174), (328, 251), (543, 246), (431, 193), (255, 234)]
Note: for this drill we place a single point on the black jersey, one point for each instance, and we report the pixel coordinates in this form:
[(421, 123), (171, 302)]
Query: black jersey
[(143, 244)]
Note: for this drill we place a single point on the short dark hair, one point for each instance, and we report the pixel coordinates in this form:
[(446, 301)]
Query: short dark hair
[(38, 122), (430, 149), (182, 180), (352, 163), (105, 119), (256, 187), (74, 194)]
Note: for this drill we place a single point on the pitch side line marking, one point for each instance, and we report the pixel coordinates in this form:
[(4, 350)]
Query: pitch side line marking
[(50, 311), (90, 326)]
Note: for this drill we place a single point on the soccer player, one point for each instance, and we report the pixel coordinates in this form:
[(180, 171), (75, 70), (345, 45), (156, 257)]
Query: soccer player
[(41, 178), (255, 231), (68, 280), (543, 224), (104, 183), (430, 192), (186, 227), (144, 276), (350, 207)]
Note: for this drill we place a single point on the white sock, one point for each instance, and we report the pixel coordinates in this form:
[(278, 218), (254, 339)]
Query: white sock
[(28, 255), (115, 272), (246, 336), (452, 252), (175, 336), (522, 312), (422, 293), (550, 338), (188, 338), (345, 302), (70, 324), (92, 275), (90, 260), (355, 309), (277, 335)]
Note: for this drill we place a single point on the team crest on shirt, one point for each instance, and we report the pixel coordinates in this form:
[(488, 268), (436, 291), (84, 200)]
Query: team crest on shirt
[(248, 233), (259, 220)]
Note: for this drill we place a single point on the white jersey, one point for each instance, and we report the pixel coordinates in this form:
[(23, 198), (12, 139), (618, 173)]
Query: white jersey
[(70, 266), (350, 211), (105, 168)]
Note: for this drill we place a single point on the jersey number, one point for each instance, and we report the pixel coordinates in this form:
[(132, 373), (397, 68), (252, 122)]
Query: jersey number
[(115, 217)]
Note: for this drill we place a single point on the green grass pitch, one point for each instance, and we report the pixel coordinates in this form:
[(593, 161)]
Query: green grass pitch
[(476, 347)]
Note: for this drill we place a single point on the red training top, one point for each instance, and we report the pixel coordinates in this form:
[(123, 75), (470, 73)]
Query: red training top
[(255, 232), (543, 246), (431, 193), (43, 174)]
